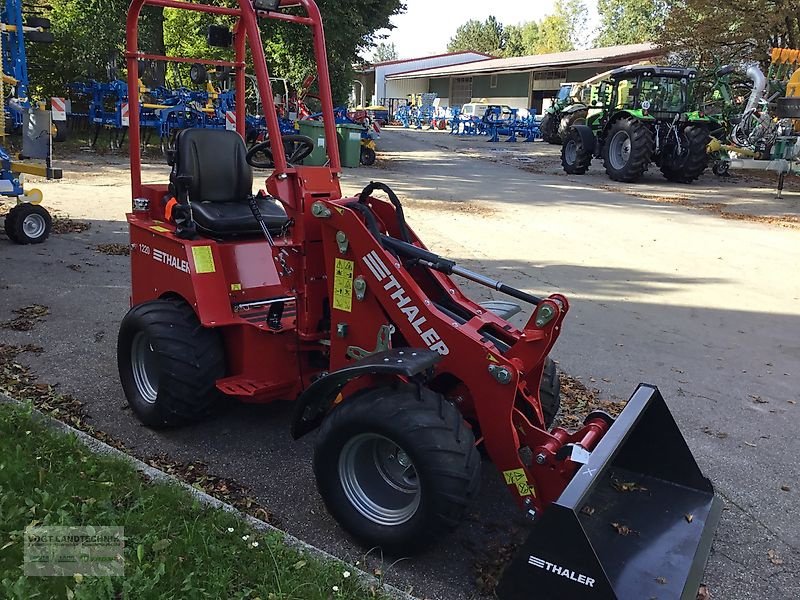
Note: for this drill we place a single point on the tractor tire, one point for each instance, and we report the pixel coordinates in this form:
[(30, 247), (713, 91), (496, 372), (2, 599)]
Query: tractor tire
[(693, 158), (628, 149), (368, 157), (61, 132), (168, 363), (574, 118), (549, 129), (396, 467), (28, 224), (575, 158)]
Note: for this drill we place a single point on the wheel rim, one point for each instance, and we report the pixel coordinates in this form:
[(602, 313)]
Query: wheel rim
[(619, 151), (34, 226), (571, 152), (145, 368), (379, 479)]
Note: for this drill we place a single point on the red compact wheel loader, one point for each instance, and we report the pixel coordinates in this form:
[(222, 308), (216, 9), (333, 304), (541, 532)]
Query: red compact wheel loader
[(335, 303)]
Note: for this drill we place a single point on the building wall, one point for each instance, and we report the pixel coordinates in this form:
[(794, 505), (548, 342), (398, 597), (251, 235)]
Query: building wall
[(401, 88), (381, 71), (440, 86), (505, 85)]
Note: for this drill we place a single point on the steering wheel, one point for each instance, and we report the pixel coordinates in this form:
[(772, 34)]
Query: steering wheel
[(296, 147)]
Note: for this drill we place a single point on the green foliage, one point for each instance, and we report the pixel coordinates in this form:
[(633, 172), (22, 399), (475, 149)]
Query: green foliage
[(630, 21), (709, 33), (384, 52), (558, 32), (90, 33), (174, 546), (479, 36)]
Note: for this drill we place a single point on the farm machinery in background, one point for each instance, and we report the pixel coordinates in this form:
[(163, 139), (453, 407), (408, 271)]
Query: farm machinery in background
[(764, 134), (645, 114), (27, 222)]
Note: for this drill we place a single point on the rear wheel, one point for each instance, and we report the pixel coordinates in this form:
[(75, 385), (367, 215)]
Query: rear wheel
[(687, 163), (396, 467), (549, 129), (628, 149), (168, 363), (28, 224), (575, 156)]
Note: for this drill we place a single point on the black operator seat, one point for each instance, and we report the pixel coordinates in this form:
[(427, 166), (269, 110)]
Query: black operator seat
[(210, 171)]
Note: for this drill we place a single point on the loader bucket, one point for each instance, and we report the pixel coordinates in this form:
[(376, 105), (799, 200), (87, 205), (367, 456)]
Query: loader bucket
[(635, 522)]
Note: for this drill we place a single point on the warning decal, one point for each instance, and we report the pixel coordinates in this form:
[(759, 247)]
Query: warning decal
[(203, 259), (518, 478), (343, 285)]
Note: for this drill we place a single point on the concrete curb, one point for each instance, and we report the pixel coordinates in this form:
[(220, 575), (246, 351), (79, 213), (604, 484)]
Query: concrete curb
[(102, 448)]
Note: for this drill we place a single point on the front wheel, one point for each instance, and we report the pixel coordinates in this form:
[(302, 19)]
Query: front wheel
[(575, 156), (168, 363), (28, 224), (396, 467), (367, 156), (549, 129)]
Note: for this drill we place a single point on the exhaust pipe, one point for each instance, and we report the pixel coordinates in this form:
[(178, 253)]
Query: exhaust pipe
[(636, 521), (759, 85)]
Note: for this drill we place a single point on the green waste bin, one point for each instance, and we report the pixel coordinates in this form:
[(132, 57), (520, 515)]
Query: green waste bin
[(349, 144), (316, 131)]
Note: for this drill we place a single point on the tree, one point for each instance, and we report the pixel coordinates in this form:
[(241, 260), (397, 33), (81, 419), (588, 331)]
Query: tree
[(630, 21), (384, 52), (708, 33), (564, 29), (522, 39), (479, 36)]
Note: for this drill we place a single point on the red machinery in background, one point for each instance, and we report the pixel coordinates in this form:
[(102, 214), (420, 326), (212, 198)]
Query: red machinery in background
[(298, 293)]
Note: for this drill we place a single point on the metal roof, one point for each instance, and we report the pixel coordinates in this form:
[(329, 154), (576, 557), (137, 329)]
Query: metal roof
[(607, 55)]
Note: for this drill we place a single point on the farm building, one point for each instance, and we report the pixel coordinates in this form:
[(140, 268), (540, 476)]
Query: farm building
[(520, 82)]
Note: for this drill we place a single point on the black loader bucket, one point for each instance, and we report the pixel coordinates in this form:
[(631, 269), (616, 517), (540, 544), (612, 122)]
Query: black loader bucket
[(635, 523)]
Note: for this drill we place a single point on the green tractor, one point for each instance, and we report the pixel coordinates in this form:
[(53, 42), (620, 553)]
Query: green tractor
[(564, 104), (646, 116)]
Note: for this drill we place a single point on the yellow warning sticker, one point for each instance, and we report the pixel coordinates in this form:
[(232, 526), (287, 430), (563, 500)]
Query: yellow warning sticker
[(159, 228), (343, 285), (236, 287), (518, 478), (491, 358), (203, 259)]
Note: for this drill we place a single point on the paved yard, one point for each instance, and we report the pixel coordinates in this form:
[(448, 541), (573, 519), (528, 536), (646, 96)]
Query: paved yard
[(664, 289)]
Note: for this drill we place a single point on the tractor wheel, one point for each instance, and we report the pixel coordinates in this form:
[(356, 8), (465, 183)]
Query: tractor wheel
[(628, 149), (396, 467), (688, 164), (549, 129), (168, 363), (574, 118), (721, 168), (28, 224), (367, 156), (61, 131), (575, 158)]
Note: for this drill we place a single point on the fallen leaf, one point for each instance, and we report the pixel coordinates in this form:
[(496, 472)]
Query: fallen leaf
[(627, 486), (703, 593), (623, 529), (299, 564), (758, 399), (688, 518), (588, 510), (661, 580), (785, 488), (750, 444), (792, 401), (774, 559)]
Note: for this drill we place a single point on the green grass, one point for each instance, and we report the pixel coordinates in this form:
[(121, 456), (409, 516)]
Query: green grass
[(175, 546)]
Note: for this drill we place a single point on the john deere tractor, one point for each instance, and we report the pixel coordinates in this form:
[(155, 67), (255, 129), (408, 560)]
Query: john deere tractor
[(647, 116)]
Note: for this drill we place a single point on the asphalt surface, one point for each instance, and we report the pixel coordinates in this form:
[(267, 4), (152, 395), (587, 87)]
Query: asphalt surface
[(708, 309)]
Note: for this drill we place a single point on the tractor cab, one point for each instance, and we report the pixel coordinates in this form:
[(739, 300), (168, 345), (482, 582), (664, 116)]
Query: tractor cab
[(651, 90)]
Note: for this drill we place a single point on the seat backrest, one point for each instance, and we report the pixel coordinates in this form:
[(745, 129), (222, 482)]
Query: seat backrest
[(210, 166)]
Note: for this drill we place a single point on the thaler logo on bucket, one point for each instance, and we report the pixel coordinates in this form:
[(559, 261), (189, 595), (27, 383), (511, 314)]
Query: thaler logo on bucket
[(559, 570), (384, 276)]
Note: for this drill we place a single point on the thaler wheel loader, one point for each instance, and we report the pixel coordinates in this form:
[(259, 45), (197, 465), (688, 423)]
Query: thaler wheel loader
[(299, 293)]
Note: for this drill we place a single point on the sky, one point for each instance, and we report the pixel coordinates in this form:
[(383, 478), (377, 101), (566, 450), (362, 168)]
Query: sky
[(427, 25)]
